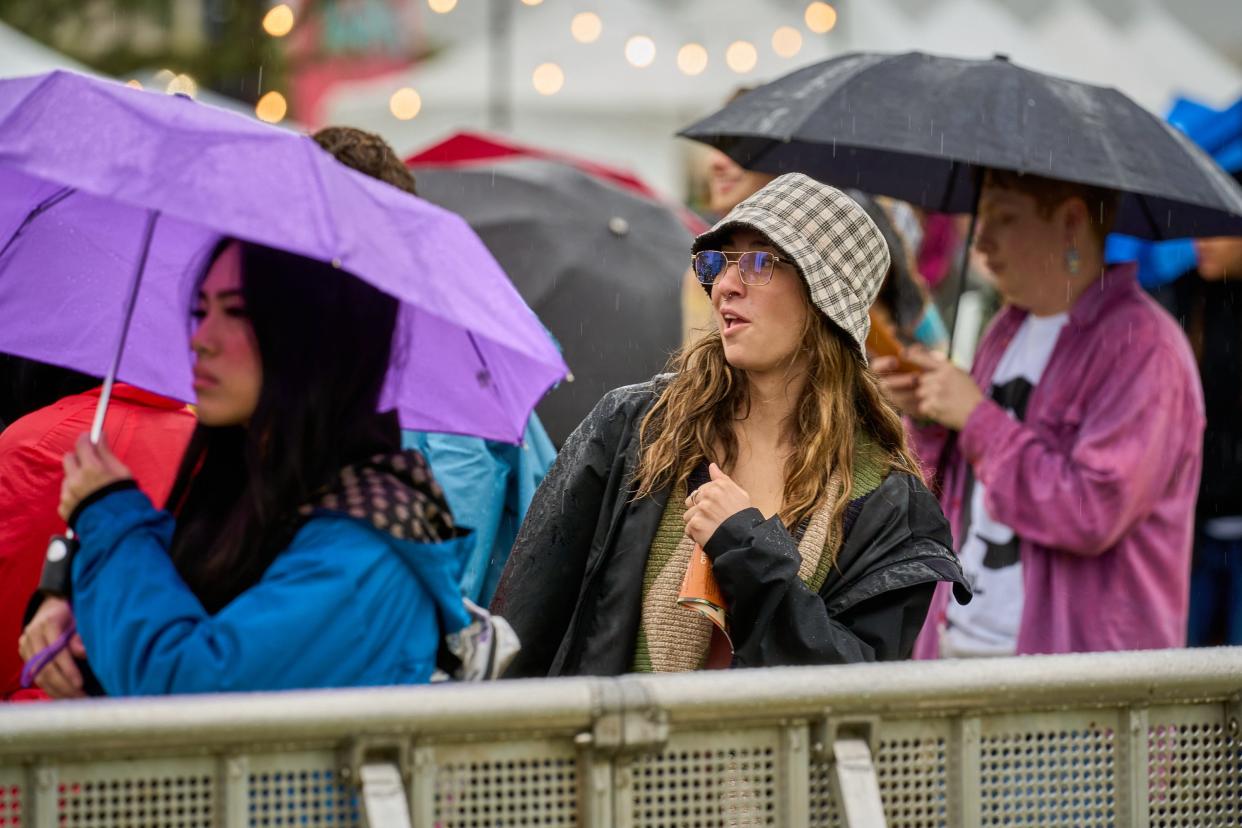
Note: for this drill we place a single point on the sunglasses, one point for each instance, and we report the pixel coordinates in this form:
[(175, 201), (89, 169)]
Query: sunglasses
[(754, 266)]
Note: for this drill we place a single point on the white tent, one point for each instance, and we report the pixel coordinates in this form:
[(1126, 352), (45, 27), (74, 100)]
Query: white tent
[(607, 109), (977, 29), (21, 55), (1187, 65), (614, 112), (1095, 51)]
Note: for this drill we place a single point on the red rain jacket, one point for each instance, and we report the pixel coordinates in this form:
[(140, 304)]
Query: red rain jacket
[(147, 432)]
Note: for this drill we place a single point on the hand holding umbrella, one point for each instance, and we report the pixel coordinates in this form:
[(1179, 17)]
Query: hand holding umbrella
[(88, 468)]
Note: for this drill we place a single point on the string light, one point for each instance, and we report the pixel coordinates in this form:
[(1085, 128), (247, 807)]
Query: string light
[(272, 108), (532, 2), (640, 51), (182, 85), (405, 104), (442, 6), (741, 56), (786, 41), (278, 21), (586, 27), (548, 78), (692, 59), (820, 17)]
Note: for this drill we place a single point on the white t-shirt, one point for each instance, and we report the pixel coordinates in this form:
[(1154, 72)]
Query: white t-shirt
[(988, 625)]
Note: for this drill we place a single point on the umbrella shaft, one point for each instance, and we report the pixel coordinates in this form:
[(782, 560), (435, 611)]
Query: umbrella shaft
[(102, 408)]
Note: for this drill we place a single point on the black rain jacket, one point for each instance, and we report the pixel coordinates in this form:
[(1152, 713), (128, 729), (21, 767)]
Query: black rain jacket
[(572, 588)]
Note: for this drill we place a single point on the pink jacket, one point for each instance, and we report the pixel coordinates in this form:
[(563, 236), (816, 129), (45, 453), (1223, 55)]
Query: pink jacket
[(1099, 482)]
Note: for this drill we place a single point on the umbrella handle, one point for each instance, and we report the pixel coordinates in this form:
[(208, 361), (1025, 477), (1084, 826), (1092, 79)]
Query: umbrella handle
[(110, 378), (965, 265)]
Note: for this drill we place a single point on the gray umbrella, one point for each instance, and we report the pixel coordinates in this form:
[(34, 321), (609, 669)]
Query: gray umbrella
[(919, 128), (601, 267)]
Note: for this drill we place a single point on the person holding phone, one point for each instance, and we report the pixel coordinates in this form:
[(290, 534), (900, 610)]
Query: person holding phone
[(770, 446)]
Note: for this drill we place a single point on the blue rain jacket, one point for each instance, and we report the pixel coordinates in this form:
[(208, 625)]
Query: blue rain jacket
[(1220, 135), (343, 606), (489, 486)]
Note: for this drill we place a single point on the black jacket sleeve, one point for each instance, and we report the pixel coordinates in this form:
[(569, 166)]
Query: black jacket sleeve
[(897, 546), (775, 619), (540, 585)]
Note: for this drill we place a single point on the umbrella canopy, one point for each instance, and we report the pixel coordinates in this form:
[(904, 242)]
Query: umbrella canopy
[(469, 148), (88, 167), (600, 266), (920, 127)]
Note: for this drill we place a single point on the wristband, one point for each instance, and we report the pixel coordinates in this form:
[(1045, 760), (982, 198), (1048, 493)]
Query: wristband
[(57, 577)]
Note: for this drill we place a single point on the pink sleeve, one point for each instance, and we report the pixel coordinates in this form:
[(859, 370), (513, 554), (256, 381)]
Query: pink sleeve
[(1133, 434), (928, 443)]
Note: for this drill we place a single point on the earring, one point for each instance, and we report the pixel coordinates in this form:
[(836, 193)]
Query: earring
[(1073, 260)]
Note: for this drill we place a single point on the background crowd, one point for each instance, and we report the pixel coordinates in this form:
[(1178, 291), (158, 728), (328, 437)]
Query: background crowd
[(1007, 428)]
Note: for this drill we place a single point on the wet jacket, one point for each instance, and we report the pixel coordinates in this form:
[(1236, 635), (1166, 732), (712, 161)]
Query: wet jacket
[(573, 586), (1099, 481), (147, 432), (1211, 314), (489, 486), (344, 605)]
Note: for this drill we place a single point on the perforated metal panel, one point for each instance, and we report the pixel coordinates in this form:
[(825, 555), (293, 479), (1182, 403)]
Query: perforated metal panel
[(1058, 773), (913, 771), (824, 811), (912, 767), (706, 780), (150, 794), (526, 784), (1195, 770), (300, 790), (10, 803)]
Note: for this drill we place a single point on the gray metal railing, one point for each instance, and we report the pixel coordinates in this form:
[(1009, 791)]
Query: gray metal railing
[(1125, 739)]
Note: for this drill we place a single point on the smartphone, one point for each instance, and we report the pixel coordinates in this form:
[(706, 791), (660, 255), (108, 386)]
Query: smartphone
[(882, 341)]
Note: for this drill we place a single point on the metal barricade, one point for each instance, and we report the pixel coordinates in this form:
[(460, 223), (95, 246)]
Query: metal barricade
[(1120, 739)]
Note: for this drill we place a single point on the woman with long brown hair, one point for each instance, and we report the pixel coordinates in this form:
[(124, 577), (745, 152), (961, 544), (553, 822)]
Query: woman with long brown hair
[(768, 453)]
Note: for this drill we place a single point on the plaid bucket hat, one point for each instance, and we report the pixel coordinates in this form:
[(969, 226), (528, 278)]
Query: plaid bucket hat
[(836, 247)]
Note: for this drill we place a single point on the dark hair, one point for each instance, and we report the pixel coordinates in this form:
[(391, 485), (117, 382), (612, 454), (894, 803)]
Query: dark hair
[(1051, 193), (902, 293), (367, 153), (324, 340), (27, 385)]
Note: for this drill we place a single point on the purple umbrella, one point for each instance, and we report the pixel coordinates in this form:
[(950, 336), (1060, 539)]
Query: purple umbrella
[(111, 197)]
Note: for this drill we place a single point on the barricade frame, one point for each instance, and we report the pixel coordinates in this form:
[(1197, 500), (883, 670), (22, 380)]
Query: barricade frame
[(1126, 739)]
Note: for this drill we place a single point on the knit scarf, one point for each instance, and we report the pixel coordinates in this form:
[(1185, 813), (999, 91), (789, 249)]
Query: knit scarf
[(672, 638), (395, 493)]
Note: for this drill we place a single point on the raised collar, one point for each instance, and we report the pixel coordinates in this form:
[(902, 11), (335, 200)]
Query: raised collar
[(130, 393), (1116, 281)]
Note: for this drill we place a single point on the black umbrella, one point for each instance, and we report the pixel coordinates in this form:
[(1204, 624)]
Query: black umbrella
[(600, 266), (920, 128)]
